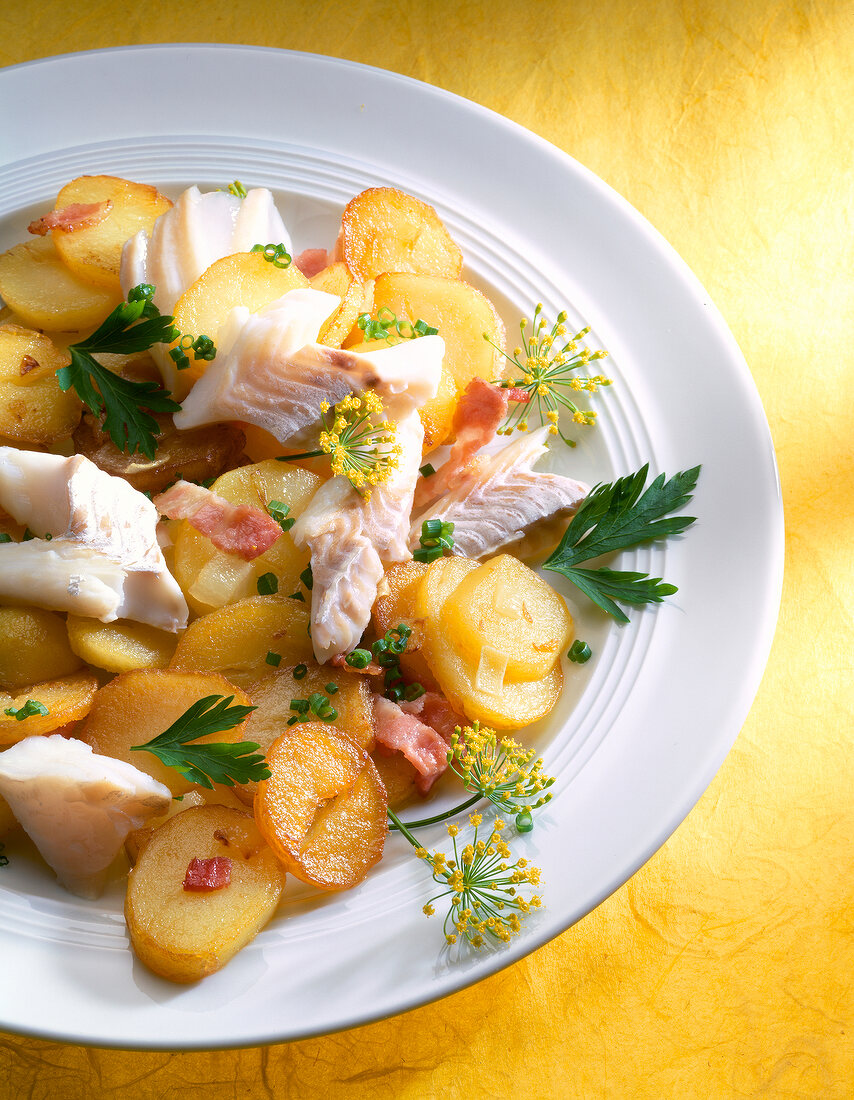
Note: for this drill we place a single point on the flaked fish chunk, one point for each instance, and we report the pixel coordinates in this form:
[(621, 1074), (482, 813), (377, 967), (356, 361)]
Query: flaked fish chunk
[(500, 497), (103, 559), (77, 807), (198, 230), (273, 375)]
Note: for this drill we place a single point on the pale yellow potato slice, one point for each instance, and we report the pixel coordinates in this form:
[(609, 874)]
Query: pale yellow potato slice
[(45, 294), (184, 935), (236, 639), (33, 409), (137, 706), (137, 839), (244, 279), (395, 606), (33, 647), (479, 688), (323, 810), (383, 229), (94, 252), (68, 699), (211, 578), (121, 645), (506, 606)]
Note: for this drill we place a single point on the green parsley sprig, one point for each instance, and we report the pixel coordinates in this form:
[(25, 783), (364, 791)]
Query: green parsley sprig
[(619, 516), (212, 762)]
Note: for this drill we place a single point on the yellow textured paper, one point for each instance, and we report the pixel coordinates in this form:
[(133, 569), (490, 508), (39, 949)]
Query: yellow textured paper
[(726, 966)]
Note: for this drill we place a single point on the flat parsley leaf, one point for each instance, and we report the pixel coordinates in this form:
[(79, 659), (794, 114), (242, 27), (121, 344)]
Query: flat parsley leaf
[(221, 762), (615, 517)]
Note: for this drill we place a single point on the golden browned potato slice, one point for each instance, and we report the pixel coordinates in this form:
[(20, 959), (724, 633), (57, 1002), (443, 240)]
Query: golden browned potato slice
[(383, 229), (397, 776), (333, 279), (395, 605), (121, 645), (67, 699), (182, 934), (196, 454), (94, 252), (33, 646), (244, 279), (210, 577), (137, 706), (461, 314), (45, 294), (323, 811), (33, 409), (235, 640), (505, 606), (137, 839), (478, 688), (335, 330), (272, 698)]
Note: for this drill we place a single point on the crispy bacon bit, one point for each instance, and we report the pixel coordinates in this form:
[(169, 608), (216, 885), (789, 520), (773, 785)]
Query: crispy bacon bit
[(434, 710), (422, 746), (312, 260), (79, 215), (478, 415), (233, 528), (28, 364), (204, 875), (518, 394)]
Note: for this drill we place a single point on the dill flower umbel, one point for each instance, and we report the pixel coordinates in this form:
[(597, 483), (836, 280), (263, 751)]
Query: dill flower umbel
[(510, 776), (548, 375), (361, 447), (483, 886)]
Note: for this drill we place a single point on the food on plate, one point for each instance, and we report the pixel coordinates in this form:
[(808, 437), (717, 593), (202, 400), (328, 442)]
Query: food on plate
[(258, 569)]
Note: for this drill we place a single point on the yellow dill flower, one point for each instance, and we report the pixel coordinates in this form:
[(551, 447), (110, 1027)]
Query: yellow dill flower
[(502, 771)]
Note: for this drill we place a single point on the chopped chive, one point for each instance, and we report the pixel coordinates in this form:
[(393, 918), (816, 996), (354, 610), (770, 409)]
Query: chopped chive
[(268, 584), (274, 659), (300, 672), (427, 470), (4, 537), (297, 596), (579, 652), (307, 578), (358, 658), (414, 691), (331, 688)]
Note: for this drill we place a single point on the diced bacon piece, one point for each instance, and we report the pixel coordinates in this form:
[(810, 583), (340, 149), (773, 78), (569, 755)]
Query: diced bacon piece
[(233, 528), (518, 394), (312, 260), (434, 710), (204, 875), (478, 416), (422, 746), (79, 215)]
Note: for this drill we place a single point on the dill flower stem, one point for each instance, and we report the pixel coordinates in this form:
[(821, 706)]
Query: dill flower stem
[(293, 458), (396, 823)]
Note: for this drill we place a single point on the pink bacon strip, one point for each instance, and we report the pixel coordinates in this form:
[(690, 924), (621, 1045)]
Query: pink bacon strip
[(79, 215), (311, 261), (233, 528), (422, 746), (204, 875)]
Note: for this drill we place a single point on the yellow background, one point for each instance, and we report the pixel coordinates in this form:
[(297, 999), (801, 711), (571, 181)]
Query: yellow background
[(725, 967)]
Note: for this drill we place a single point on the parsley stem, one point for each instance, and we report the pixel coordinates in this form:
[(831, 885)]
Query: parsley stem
[(403, 826)]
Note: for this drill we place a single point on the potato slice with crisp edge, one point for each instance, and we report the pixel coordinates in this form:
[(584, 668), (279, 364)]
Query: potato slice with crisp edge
[(33, 409), (383, 229), (184, 935), (94, 252), (137, 706), (120, 646), (137, 839), (33, 646), (323, 810), (68, 699), (45, 294), (395, 605), (236, 639)]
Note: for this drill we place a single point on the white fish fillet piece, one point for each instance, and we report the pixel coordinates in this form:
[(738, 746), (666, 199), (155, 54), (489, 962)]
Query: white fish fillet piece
[(501, 497), (103, 559), (349, 539), (77, 807), (274, 376)]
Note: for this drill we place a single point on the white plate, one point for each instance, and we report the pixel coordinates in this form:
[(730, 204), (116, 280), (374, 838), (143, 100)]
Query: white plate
[(642, 728)]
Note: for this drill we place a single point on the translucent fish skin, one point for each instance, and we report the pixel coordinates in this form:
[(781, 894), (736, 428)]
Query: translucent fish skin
[(77, 807), (198, 230), (501, 496), (103, 559)]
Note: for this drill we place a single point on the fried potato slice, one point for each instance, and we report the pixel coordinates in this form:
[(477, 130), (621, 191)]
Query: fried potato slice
[(68, 699), (139, 705), (121, 645), (477, 688), (383, 229), (323, 810), (211, 578), (137, 839), (395, 605), (356, 299), (33, 409), (235, 640), (47, 295), (33, 646), (244, 279), (94, 252), (184, 935)]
